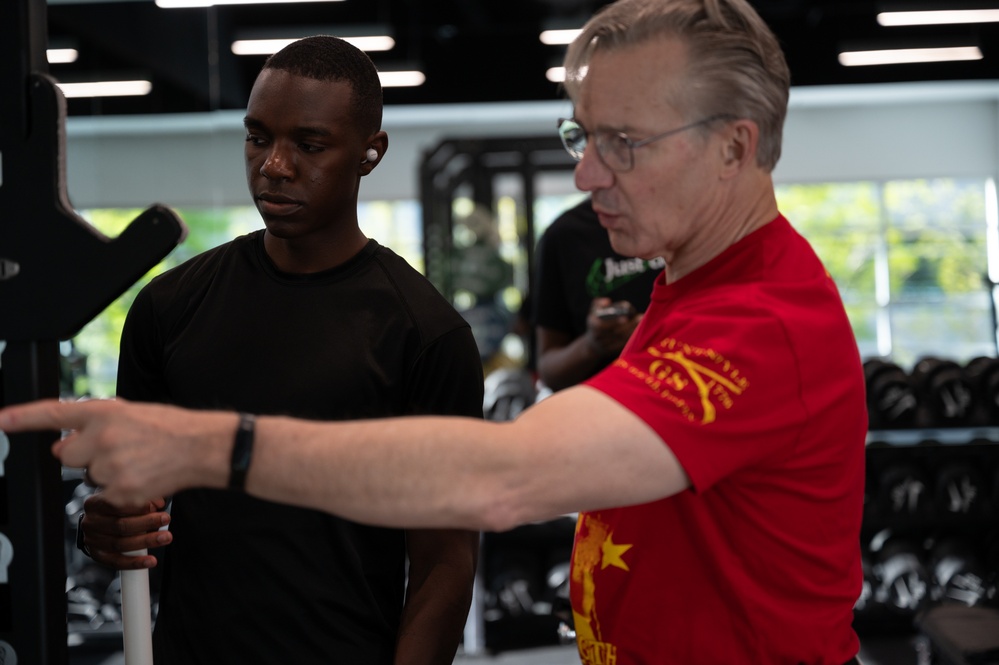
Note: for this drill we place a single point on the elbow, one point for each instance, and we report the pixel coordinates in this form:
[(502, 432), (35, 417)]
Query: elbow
[(506, 510), (507, 487), (500, 520)]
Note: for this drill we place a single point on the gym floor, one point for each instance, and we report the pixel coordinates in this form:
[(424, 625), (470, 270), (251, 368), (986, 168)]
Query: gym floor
[(881, 651)]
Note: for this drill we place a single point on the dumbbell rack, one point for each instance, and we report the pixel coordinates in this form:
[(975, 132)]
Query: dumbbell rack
[(525, 579), (930, 531)]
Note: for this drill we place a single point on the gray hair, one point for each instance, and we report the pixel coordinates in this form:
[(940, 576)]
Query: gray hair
[(736, 66)]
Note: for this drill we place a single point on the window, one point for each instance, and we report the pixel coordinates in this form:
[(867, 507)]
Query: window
[(911, 259)]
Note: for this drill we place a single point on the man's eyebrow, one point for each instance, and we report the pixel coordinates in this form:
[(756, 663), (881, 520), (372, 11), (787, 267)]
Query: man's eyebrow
[(313, 131), (253, 123)]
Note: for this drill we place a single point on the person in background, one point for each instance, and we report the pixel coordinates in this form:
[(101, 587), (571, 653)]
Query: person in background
[(588, 299), (717, 463), (306, 317)]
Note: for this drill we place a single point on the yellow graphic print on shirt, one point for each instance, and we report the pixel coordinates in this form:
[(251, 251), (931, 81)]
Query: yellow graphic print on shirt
[(596, 547), (674, 366)]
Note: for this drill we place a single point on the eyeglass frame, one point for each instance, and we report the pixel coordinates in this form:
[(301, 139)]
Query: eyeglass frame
[(626, 140)]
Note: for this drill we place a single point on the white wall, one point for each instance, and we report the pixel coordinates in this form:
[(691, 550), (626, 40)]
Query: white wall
[(197, 160), (832, 133), (891, 131)]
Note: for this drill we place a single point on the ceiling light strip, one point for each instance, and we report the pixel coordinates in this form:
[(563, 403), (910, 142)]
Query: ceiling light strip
[(402, 79), (908, 55), (179, 4), (61, 56), (938, 17), (268, 46), (557, 37), (106, 89)]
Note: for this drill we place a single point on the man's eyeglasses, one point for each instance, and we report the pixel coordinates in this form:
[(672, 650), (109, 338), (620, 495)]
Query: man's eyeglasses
[(616, 149)]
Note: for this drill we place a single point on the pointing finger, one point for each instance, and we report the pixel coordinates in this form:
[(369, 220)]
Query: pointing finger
[(49, 414)]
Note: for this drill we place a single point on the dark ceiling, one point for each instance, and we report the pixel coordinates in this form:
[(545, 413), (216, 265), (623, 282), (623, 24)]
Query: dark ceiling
[(470, 50)]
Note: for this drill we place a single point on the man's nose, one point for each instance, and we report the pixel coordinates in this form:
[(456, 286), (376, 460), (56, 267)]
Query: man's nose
[(277, 165), (591, 173)]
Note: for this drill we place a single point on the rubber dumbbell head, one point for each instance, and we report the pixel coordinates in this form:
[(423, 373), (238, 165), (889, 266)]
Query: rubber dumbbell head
[(943, 391), (891, 402)]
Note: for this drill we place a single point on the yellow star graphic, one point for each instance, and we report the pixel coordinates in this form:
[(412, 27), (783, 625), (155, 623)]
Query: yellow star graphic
[(612, 554)]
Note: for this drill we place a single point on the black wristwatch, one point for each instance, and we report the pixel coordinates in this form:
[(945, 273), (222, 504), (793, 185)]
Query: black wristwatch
[(242, 452), (80, 545)]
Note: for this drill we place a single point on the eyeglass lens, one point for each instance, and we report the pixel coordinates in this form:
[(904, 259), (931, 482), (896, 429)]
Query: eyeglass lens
[(573, 137), (612, 148)]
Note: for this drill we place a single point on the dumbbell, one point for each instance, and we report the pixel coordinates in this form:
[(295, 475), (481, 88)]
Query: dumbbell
[(511, 589), (958, 575), (959, 491), (991, 559), (83, 610), (943, 392), (557, 590), (865, 602), (983, 376), (903, 491), (903, 584), (891, 402)]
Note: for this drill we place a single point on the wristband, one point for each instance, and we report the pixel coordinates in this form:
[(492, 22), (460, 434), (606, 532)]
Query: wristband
[(242, 452), (80, 544)]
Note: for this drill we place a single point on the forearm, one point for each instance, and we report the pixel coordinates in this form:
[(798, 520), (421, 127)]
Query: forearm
[(568, 365), (438, 596), (577, 450), (413, 472)]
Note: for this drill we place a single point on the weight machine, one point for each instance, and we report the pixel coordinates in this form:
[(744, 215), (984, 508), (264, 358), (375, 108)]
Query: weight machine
[(56, 274)]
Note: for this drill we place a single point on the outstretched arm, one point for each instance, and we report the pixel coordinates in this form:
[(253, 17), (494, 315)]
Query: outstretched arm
[(577, 450)]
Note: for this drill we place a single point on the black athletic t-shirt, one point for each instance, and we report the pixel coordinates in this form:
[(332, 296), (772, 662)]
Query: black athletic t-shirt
[(576, 263), (248, 581)]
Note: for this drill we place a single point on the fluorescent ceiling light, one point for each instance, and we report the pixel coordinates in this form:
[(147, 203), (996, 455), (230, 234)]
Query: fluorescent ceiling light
[(176, 4), (61, 56), (555, 74), (555, 37), (106, 89), (908, 55), (402, 79), (269, 46), (939, 17)]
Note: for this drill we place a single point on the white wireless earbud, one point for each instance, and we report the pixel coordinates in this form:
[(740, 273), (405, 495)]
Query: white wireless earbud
[(371, 155)]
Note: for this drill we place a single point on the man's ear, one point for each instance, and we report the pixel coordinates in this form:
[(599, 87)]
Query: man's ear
[(740, 140), (377, 146)]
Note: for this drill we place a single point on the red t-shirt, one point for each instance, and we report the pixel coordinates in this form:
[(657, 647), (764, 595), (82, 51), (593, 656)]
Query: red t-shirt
[(748, 370)]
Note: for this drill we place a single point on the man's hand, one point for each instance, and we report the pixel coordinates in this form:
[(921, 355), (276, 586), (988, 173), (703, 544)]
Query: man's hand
[(609, 325), (109, 531), (135, 452)]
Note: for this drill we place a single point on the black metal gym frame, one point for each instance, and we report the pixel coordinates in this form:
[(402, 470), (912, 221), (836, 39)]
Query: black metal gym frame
[(448, 170), (455, 163), (56, 274)]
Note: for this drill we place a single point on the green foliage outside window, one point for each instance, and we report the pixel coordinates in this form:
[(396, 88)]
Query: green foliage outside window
[(910, 258)]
